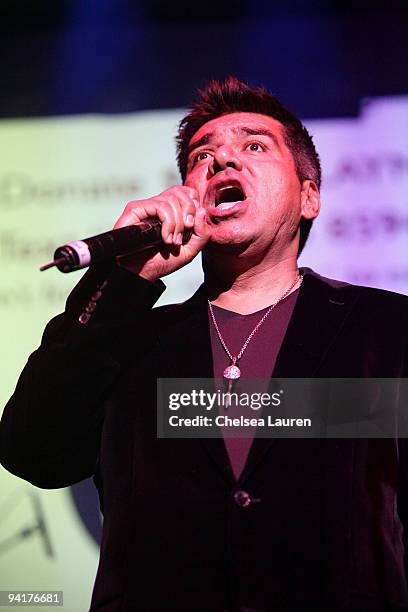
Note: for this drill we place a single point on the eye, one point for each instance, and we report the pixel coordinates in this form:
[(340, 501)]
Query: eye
[(200, 156), (255, 146)]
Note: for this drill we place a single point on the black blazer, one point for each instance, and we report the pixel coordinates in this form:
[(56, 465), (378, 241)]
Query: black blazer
[(327, 532)]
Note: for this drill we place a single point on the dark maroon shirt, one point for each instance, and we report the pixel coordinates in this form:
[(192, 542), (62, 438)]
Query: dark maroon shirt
[(258, 360)]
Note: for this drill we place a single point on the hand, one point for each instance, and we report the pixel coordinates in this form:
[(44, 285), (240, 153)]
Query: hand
[(178, 209)]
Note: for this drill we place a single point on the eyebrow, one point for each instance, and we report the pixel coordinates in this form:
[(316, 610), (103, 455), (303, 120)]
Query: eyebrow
[(259, 132), (207, 138), (200, 142)]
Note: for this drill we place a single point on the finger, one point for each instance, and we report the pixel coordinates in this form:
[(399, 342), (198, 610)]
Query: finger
[(137, 211), (129, 215), (201, 234), (180, 197), (191, 192), (202, 230), (177, 204), (189, 204), (168, 215), (188, 196)]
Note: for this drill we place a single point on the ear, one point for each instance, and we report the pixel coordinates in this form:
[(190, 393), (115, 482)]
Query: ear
[(309, 200)]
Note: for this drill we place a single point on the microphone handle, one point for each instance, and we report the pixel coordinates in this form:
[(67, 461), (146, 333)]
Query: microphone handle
[(123, 241)]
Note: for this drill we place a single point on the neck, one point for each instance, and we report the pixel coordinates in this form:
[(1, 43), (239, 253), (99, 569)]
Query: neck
[(251, 287)]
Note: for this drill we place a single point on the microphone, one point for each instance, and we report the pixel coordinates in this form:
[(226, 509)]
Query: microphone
[(123, 241)]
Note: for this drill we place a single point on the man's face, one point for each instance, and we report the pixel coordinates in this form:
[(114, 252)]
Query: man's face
[(246, 180)]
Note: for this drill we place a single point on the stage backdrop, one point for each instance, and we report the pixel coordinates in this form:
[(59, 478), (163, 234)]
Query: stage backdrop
[(68, 178)]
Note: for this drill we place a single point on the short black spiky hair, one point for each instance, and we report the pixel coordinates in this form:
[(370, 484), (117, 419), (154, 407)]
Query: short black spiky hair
[(233, 96)]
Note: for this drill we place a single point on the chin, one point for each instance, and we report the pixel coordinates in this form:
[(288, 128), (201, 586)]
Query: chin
[(233, 243), (231, 230)]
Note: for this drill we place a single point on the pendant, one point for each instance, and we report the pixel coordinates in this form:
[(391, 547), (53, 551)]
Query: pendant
[(232, 372)]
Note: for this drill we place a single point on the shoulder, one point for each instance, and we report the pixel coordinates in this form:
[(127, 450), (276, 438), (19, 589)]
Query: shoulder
[(370, 293), (194, 307), (381, 313)]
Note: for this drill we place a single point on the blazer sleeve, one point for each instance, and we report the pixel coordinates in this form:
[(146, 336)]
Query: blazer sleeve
[(402, 413), (51, 427)]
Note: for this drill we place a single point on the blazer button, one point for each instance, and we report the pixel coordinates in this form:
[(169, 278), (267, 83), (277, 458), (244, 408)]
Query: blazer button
[(242, 498), (84, 318), (90, 307)]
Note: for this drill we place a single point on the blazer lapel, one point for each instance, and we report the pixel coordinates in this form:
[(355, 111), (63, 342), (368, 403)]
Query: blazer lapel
[(185, 345), (320, 312), (185, 348)]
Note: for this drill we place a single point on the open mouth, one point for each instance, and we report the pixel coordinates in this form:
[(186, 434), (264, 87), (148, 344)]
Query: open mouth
[(229, 194)]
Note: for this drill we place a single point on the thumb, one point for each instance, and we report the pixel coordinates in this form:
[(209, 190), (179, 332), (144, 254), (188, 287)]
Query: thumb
[(202, 230), (200, 236)]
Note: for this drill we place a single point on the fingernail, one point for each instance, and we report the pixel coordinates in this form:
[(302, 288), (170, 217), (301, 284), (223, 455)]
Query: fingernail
[(196, 203), (189, 219), (170, 238), (179, 239)]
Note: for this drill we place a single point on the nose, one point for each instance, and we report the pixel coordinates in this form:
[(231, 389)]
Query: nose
[(224, 157)]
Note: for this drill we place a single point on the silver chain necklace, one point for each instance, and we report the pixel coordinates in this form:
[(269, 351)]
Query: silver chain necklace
[(233, 372)]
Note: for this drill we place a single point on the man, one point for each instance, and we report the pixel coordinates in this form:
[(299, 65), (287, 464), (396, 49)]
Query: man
[(213, 525)]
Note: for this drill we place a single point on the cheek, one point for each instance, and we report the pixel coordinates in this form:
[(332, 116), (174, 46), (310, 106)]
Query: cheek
[(282, 200), (271, 183), (288, 193)]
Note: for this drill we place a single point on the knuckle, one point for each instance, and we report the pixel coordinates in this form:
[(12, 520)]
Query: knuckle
[(163, 206), (190, 207), (193, 191), (169, 191), (173, 199), (134, 205)]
